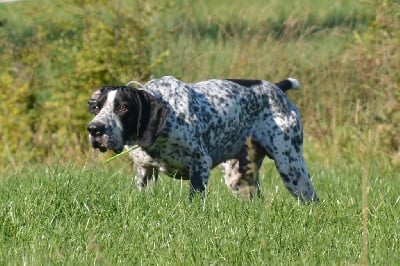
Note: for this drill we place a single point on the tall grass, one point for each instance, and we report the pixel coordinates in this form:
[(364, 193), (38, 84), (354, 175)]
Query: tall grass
[(261, 40), (311, 41), (271, 41), (314, 42)]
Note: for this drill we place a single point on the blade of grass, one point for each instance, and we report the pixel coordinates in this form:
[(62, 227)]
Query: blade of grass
[(122, 153)]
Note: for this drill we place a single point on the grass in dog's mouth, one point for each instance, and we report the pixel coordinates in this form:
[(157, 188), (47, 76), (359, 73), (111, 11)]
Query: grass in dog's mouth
[(122, 153)]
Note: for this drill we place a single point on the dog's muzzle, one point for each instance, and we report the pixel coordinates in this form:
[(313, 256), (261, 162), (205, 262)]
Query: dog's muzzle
[(96, 131)]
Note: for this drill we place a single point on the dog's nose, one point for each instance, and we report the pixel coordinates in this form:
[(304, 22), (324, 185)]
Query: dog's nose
[(96, 129)]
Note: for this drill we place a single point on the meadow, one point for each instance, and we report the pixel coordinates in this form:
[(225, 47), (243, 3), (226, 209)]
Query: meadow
[(61, 203), (72, 215)]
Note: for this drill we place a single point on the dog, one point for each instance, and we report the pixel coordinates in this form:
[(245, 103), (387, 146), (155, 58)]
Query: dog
[(186, 129)]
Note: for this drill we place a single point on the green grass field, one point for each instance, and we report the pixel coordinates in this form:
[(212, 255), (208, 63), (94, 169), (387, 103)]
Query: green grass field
[(61, 204), (70, 215)]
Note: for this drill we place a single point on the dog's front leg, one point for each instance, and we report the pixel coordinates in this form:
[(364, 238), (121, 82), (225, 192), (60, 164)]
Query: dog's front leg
[(199, 173)]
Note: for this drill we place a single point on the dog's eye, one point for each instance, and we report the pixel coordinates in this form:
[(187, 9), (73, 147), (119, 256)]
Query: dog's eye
[(122, 109), (96, 109)]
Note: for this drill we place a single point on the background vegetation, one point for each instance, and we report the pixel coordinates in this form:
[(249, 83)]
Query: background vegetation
[(55, 53), (60, 203)]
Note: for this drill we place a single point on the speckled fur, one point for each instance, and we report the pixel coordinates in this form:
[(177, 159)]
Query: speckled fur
[(213, 122)]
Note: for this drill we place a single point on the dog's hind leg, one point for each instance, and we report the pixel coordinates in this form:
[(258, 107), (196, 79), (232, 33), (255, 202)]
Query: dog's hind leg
[(146, 176), (242, 173)]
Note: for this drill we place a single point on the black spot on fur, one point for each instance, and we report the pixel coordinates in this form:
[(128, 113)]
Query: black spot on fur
[(284, 85), (246, 82)]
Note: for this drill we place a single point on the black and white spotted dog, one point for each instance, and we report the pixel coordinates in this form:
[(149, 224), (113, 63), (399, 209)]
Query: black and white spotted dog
[(186, 129)]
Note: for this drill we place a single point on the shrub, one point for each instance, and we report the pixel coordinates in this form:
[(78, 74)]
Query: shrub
[(378, 58), (55, 55)]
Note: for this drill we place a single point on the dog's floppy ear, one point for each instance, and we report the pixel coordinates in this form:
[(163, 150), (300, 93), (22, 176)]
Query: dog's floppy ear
[(152, 119), (93, 101)]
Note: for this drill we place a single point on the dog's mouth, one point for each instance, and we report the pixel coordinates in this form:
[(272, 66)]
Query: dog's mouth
[(101, 143)]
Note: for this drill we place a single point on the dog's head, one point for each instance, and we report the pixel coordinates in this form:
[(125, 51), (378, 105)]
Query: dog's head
[(124, 115)]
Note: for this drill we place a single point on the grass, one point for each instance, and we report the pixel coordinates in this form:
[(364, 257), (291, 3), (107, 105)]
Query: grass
[(74, 215), (225, 38)]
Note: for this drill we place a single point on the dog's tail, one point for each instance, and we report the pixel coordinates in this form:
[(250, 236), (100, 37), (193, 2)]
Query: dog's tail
[(287, 84)]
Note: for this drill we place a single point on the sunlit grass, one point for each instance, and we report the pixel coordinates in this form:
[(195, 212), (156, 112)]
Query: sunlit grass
[(71, 215)]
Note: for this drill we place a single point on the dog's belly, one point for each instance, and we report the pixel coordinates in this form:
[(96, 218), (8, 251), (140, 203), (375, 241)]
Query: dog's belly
[(172, 168)]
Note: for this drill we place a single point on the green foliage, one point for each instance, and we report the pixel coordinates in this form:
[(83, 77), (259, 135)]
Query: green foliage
[(54, 59), (55, 54), (17, 102), (378, 58)]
